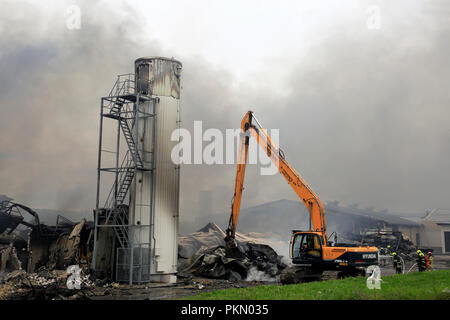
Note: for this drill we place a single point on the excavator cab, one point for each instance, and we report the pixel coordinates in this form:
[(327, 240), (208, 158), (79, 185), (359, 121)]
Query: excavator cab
[(306, 247)]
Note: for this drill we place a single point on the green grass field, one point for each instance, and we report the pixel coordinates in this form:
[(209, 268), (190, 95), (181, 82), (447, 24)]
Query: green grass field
[(424, 285)]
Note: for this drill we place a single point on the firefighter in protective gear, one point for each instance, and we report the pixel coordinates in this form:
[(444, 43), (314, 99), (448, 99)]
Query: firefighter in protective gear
[(388, 250), (397, 262), (418, 258), (430, 261), (421, 262)]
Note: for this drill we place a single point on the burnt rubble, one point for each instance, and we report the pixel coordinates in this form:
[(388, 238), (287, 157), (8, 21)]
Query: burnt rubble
[(382, 238), (34, 257), (218, 262), (42, 285), (30, 245)]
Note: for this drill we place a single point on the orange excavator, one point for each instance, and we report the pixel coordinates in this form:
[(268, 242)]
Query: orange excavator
[(311, 252)]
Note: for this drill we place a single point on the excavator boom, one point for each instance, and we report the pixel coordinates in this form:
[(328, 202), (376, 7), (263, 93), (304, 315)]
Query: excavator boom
[(310, 251), (251, 127)]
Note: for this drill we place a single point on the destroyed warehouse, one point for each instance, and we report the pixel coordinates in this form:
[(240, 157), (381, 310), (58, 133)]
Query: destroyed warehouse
[(27, 244), (350, 223)]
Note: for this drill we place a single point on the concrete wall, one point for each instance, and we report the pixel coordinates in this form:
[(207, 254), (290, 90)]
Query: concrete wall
[(430, 234), (410, 232)]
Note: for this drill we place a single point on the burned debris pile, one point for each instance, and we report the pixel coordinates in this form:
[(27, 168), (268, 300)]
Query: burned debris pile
[(34, 256), (203, 254), (42, 285), (30, 245), (382, 238)]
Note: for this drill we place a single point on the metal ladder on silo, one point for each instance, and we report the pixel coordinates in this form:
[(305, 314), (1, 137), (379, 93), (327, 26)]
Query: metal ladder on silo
[(117, 215), (128, 134), (120, 221), (120, 90), (132, 161)]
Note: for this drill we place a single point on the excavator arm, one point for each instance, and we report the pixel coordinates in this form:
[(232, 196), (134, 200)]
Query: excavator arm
[(250, 126)]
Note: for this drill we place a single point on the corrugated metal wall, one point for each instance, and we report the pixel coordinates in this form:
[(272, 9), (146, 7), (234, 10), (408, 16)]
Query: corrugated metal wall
[(166, 187), (157, 192)]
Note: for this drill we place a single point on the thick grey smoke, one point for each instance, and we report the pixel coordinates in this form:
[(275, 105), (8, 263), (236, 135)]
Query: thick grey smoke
[(363, 115), (52, 79)]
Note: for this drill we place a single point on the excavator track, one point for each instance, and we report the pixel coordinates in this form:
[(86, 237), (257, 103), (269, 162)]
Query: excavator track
[(296, 274)]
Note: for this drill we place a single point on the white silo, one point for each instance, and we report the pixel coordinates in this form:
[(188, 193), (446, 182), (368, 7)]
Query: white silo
[(154, 198)]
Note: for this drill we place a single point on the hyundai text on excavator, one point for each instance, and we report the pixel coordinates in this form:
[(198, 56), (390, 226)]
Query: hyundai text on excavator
[(311, 251)]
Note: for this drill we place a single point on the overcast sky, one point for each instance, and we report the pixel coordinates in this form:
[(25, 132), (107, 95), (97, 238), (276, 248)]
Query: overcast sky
[(358, 89)]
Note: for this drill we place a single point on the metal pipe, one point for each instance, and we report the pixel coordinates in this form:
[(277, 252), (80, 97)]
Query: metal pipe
[(98, 186), (177, 215), (117, 160), (152, 214), (136, 141)]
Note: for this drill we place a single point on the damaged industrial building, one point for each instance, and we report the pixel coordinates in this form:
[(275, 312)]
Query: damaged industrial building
[(27, 244), (34, 256), (134, 238), (431, 231)]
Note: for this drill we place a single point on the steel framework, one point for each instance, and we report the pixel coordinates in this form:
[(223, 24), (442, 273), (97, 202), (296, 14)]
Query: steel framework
[(125, 106)]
